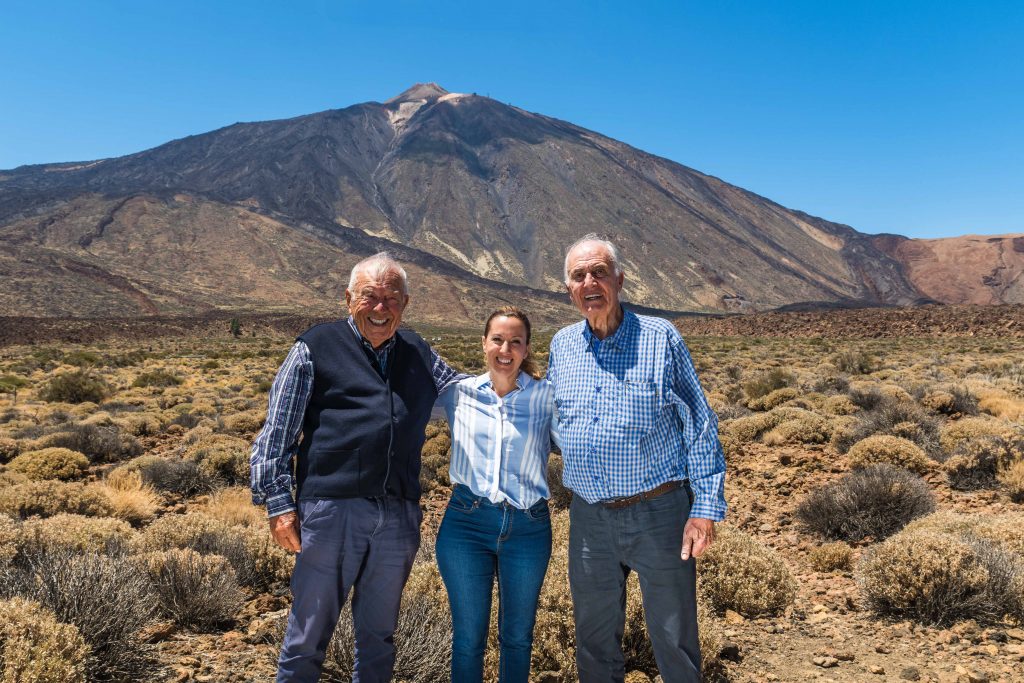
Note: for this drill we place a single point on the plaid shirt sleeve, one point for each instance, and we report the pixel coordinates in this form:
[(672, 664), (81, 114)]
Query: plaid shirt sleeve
[(275, 446), (444, 374), (705, 461)]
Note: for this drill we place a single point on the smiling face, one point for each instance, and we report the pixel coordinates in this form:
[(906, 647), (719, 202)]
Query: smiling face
[(593, 285), (377, 305), (505, 346)]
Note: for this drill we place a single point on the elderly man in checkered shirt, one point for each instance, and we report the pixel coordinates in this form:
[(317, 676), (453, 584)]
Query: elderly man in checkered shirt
[(642, 457)]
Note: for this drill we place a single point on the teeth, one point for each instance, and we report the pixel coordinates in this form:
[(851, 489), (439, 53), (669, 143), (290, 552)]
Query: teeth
[(376, 321), (505, 361), (592, 297)]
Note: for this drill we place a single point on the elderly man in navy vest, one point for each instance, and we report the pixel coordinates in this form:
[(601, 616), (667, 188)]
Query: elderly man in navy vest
[(359, 392)]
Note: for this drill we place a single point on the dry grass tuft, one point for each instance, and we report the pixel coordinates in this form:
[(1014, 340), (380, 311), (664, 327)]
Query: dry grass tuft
[(234, 506), (131, 499), (832, 557), (1012, 479)]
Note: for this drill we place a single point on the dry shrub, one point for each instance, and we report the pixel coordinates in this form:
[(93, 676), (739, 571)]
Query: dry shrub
[(554, 644), (139, 424), (749, 428), (1004, 407), (839, 405), (194, 590), (221, 456), (79, 386), (102, 442), (767, 382), (855, 362), (773, 399), (1006, 530), (172, 475), (157, 378), (1012, 479), (9, 448), (36, 648), (50, 497), (561, 496), (423, 639), (904, 419), (976, 463), (256, 559), (810, 428), (434, 457), (51, 463), (832, 557), (246, 422), (939, 401), (938, 578), (10, 538), (234, 506), (971, 428), (76, 533), (106, 598), (876, 502), (131, 499), (882, 448), (740, 574)]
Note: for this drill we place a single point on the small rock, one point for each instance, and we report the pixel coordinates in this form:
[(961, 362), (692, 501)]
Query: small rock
[(732, 617), (977, 676), (882, 649), (730, 651), (825, 662), (845, 656), (548, 677), (877, 670), (765, 527), (911, 673), (1015, 634)]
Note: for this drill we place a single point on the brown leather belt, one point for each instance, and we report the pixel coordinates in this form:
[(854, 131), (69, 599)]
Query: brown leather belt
[(619, 503)]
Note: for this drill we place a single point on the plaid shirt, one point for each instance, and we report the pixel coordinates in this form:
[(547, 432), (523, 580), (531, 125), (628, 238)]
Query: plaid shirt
[(632, 415), (278, 441)]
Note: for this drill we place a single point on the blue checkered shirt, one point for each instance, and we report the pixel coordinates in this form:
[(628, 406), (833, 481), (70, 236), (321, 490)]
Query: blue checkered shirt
[(275, 446), (632, 415)]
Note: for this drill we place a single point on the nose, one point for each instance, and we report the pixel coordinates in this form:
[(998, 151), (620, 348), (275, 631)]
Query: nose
[(506, 347), (589, 278)]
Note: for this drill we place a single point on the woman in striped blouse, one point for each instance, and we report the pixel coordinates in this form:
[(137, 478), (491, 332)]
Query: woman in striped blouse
[(497, 522)]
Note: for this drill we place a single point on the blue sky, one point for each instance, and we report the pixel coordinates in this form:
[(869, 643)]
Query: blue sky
[(898, 116)]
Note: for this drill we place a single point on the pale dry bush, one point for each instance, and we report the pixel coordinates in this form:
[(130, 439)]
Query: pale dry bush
[(971, 428), (906, 420), (77, 533), (750, 427), (839, 404), (221, 456), (773, 399), (139, 424), (740, 574), (937, 578), (50, 497), (1006, 529), (10, 538), (131, 499), (1012, 479), (810, 428), (831, 557), (36, 648), (873, 502), (1003, 406), (51, 463), (938, 401), (198, 591), (9, 448), (234, 505), (892, 450), (434, 457), (245, 422), (976, 463), (172, 475), (257, 560)]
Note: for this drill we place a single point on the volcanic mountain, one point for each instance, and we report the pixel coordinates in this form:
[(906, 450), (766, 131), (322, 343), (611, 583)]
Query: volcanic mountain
[(478, 197)]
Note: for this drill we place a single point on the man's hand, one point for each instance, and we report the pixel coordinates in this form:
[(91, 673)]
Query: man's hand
[(697, 536), (285, 531)]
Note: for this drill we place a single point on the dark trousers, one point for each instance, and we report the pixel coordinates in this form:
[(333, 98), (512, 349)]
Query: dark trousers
[(478, 542), (366, 545), (604, 546)]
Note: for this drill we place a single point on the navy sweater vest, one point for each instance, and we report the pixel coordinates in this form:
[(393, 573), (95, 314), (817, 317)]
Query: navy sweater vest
[(361, 434)]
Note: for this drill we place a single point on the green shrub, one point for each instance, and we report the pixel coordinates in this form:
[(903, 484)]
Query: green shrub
[(810, 428), (740, 574), (36, 648), (939, 578), (75, 387), (767, 382), (51, 463), (194, 590), (245, 422), (222, 456), (876, 501), (50, 497), (157, 378), (882, 448), (434, 457), (109, 600), (77, 533), (831, 557)]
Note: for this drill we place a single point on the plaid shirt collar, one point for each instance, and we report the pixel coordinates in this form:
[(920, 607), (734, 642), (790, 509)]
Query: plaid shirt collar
[(621, 338), (484, 381)]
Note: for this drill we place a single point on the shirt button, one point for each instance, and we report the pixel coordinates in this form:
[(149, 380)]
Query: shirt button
[(597, 388), (596, 419)]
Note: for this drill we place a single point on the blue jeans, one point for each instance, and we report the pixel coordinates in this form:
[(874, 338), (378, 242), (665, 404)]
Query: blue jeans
[(477, 541), (604, 546), (362, 545)]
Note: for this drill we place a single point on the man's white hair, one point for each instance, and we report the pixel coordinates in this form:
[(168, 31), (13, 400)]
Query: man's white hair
[(376, 267), (613, 252)]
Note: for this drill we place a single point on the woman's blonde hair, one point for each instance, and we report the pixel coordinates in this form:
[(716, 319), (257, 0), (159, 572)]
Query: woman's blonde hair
[(529, 366)]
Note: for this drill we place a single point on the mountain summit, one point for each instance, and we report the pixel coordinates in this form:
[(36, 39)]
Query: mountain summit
[(480, 199)]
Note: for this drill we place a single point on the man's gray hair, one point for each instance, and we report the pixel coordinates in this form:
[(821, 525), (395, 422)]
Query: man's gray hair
[(613, 252), (376, 267)]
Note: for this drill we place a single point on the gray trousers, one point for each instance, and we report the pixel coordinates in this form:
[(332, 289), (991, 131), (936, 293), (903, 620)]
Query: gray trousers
[(366, 545), (604, 546)]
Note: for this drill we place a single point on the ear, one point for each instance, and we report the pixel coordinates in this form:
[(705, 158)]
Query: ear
[(621, 280), (483, 342)]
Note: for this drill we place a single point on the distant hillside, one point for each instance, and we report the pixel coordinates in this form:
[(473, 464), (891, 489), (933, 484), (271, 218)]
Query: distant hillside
[(480, 199)]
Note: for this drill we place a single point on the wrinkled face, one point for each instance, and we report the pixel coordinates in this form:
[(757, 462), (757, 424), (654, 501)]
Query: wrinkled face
[(376, 306), (593, 285), (505, 346)]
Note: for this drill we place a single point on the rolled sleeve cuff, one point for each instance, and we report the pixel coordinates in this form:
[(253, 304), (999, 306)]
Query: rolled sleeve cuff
[(708, 509), (280, 503)]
